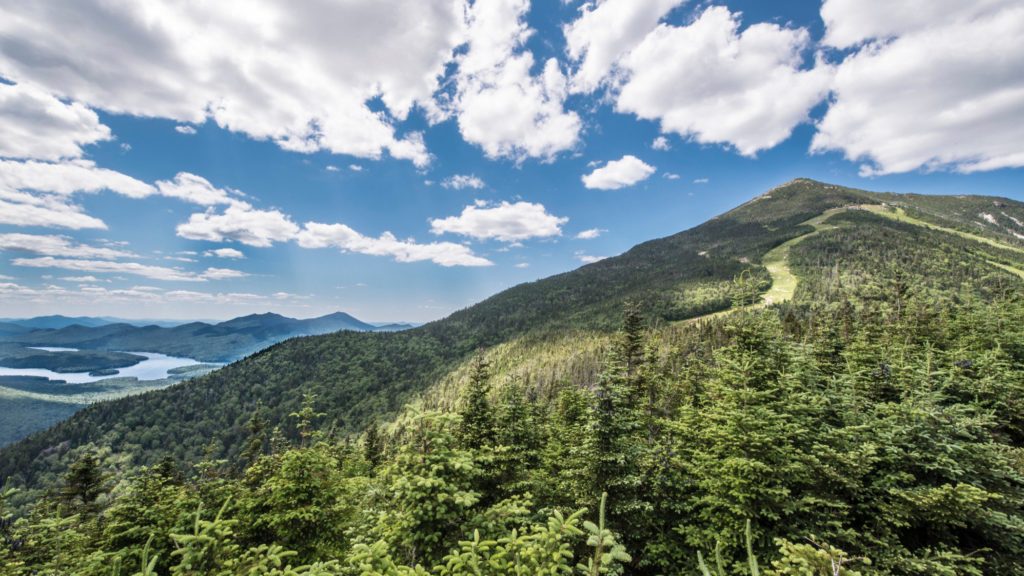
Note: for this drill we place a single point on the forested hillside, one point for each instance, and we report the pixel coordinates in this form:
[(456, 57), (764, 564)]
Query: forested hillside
[(869, 420)]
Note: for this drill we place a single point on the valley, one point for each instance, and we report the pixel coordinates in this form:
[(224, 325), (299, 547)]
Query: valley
[(51, 367)]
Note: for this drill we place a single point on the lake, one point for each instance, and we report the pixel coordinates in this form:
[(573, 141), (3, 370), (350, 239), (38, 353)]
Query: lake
[(154, 367)]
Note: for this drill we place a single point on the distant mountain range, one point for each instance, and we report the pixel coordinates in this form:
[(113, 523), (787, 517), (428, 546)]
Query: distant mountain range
[(208, 342)]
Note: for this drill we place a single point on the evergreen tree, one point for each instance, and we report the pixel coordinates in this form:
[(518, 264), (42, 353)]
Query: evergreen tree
[(83, 485), (256, 445), (477, 426), (373, 445)]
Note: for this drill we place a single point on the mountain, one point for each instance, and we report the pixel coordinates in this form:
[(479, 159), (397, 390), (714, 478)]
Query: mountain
[(8, 329), (787, 234), (57, 321), (220, 342), (824, 379)]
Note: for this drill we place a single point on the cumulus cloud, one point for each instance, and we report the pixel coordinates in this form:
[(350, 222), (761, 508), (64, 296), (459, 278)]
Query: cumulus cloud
[(933, 85), (506, 222), (671, 176), (225, 253), (590, 234), (460, 181), (66, 178), (661, 143), (34, 193), (195, 189), (222, 274), (317, 235), (605, 32), (588, 258), (712, 83), (36, 125), (185, 129), (620, 173), (500, 105), (46, 212), (240, 222), (134, 268), (91, 293), (52, 245), (300, 76)]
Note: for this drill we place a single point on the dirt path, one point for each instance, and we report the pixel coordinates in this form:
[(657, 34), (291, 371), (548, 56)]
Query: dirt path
[(784, 282), (776, 260)]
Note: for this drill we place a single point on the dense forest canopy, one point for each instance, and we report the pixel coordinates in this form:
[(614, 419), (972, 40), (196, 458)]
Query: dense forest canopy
[(647, 414)]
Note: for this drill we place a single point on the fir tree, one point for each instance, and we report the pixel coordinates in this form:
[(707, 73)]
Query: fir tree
[(477, 426), (373, 445), (83, 485)]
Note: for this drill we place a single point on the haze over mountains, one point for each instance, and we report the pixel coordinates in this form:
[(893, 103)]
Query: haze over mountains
[(208, 342)]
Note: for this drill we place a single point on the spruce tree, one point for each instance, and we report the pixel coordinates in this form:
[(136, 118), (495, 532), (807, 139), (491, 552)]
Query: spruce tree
[(477, 426), (373, 445), (83, 485), (255, 446)]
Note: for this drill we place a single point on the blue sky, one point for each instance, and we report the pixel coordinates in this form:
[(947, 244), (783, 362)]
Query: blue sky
[(208, 162)]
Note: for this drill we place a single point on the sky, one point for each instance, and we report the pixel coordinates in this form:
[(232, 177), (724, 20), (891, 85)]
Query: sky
[(402, 159)]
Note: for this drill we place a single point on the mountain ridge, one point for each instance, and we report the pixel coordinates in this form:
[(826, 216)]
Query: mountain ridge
[(223, 341)]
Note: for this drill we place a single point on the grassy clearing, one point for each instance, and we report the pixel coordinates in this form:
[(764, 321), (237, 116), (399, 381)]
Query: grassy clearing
[(900, 215)]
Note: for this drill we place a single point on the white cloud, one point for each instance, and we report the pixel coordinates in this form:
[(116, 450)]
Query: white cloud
[(460, 181), (47, 212), (709, 82), (195, 189), (299, 75), (500, 106), (620, 173), (701, 180), (587, 258), (671, 176), (240, 222), (505, 221), (51, 245), (225, 253), (933, 85), (36, 125), (523, 265), (68, 178), (603, 33), (355, 167), (134, 268), (317, 235), (661, 143), (590, 234), (36, 193), (222, 274), (91, 293), (331, 168), (185, 129)]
